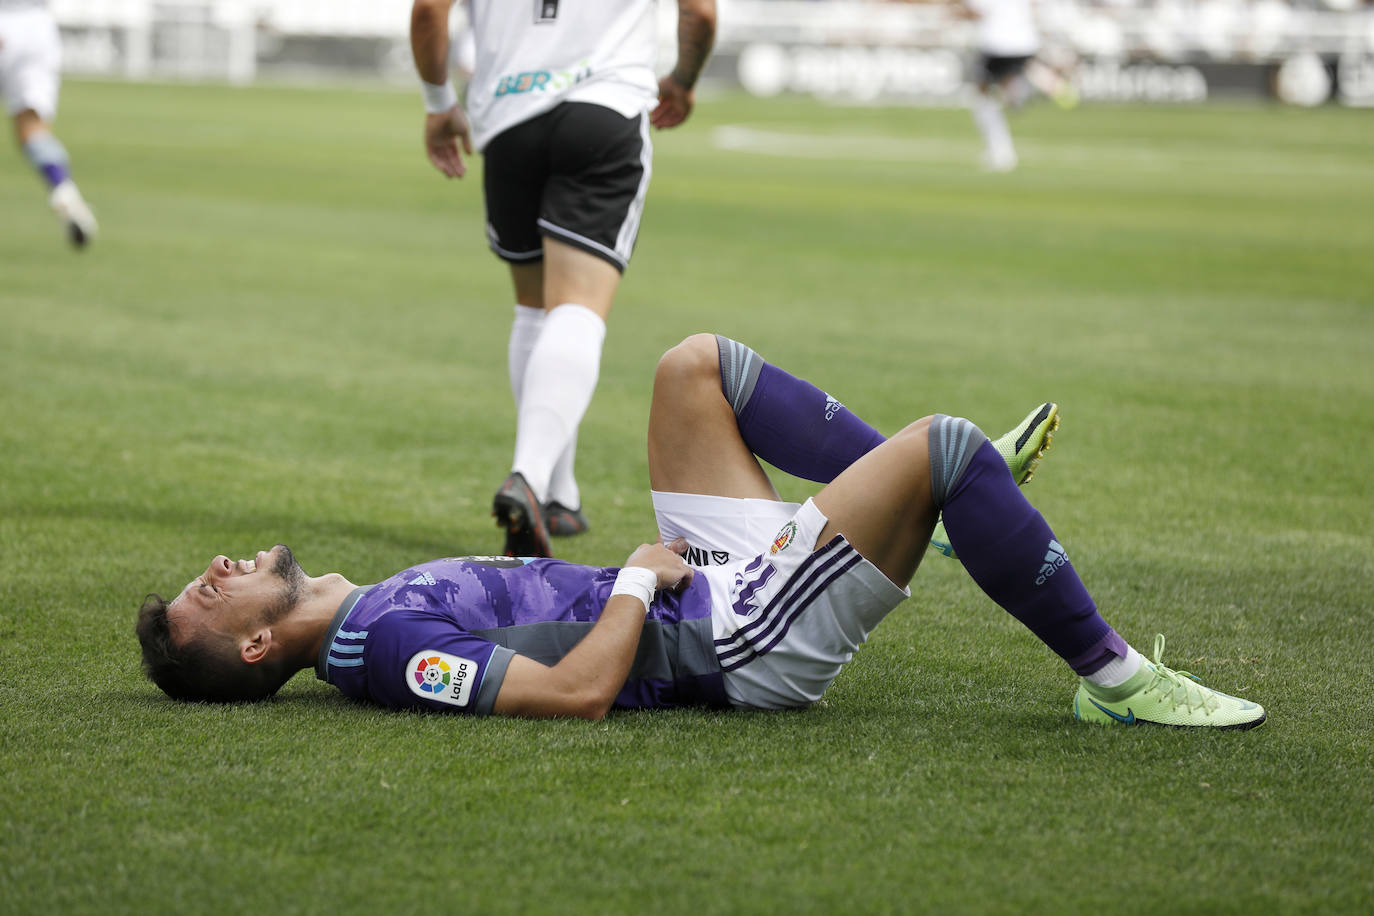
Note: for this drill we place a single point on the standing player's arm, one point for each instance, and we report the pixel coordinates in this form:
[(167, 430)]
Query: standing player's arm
[(696, 32), (585, 682), (445, 124)]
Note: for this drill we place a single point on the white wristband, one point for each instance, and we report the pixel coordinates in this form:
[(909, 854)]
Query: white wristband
[(637, 581), (439, 99)]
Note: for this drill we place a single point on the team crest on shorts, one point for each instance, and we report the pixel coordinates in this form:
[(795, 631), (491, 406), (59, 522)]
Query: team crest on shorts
[(441, 676), (784, 538)]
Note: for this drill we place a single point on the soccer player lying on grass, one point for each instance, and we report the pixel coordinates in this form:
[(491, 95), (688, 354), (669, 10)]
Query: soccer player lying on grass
[(777, 600)]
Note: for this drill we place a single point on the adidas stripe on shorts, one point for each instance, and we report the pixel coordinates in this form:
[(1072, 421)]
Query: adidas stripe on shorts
[(785, 618)]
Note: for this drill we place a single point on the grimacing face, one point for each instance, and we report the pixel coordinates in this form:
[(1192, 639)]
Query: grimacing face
[(232, 596)]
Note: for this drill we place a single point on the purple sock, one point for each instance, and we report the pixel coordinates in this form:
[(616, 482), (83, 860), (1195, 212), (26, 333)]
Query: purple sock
[(1010, 551), (788, 422), (55, 174)]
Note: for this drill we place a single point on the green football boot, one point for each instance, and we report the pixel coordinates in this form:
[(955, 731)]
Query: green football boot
[(1157, 695), (1021, 448)]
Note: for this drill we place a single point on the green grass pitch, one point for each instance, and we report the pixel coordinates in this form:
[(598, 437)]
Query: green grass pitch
[(291, 330)]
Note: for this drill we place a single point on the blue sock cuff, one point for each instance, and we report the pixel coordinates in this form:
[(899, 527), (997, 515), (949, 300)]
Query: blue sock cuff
[(43, 148), (953, 442), (49, 157)]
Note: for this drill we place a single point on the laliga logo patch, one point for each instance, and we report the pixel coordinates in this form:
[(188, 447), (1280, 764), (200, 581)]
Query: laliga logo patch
[(440, 676), (784, 538)]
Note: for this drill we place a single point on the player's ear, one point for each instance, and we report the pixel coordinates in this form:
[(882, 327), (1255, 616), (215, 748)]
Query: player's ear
[(253, 648)]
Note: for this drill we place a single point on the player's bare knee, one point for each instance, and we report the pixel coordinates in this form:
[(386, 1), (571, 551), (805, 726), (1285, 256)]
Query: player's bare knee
[(916, 434), (691, 361)]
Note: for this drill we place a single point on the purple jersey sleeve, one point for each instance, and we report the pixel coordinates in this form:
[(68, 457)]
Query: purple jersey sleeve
[(417, 659)]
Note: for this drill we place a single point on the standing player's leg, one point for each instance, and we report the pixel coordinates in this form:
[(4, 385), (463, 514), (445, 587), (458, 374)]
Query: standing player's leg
[(30, 62), (555, 390), (989, 115), (512, 183), (596, 167)]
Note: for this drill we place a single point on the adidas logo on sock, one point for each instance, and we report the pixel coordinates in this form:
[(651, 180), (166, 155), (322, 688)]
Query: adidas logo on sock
[(1055, 557), (422, 579), (832, 407)]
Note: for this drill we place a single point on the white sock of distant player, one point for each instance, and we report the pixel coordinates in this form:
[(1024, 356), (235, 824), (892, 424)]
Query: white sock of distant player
[(524, 331), (559, 381), (563, 487), (992, 124)]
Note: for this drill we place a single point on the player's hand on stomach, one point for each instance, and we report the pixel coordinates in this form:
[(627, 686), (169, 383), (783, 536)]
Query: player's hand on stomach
[(665, 560)]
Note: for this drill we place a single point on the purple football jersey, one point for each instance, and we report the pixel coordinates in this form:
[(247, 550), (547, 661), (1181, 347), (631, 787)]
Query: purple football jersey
[(441, 635)]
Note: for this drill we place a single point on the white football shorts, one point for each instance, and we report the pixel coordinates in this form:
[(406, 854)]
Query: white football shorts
[(786, 617), (30, 61)]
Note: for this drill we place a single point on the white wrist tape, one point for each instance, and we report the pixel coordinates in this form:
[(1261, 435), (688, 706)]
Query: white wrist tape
[(637, 581), (439, 99)]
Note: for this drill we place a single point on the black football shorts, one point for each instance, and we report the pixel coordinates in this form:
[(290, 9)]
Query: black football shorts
[(996, 69), (577, 173)]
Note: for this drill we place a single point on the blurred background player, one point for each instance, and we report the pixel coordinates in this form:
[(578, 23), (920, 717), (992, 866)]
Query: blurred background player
[(1007, 41), (30, 59), (560, 103)]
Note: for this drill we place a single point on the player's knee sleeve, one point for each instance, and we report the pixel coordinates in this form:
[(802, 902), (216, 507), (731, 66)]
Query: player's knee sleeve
[(739, 371), (953, 440)]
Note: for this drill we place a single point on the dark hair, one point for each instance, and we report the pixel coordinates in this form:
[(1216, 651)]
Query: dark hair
[(206, 669)]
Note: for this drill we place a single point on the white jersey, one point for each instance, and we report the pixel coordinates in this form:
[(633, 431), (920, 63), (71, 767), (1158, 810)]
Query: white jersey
[(30, 59), (535, 54), (1006, 28)]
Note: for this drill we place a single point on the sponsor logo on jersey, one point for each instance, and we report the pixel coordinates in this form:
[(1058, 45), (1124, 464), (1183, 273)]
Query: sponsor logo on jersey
[(541, 80), (423, 578), (784, 538), (702, 556), (441, 676), (1055, 557)]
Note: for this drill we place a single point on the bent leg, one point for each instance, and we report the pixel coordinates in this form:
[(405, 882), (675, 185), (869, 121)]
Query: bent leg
[(789, 422), (882, 503), (886, 503), (694, 441)]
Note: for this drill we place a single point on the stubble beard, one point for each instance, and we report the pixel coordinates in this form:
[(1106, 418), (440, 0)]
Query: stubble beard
[(293, 579)]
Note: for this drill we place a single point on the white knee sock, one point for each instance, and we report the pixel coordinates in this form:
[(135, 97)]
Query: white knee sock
[(563, 485), (992, 124), (524, 331), (559, 381)]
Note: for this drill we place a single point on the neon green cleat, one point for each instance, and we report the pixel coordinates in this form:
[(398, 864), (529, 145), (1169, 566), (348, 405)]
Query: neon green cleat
[(1156, 695), (1021, 448)]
